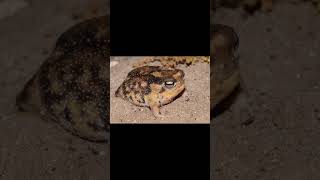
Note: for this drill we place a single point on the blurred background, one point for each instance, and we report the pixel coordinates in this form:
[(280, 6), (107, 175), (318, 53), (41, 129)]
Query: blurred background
[(271, 131), (31, 148)]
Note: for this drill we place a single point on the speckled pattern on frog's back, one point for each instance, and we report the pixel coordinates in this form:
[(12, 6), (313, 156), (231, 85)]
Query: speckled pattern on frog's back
[(74, 91), (91, 33), (72, 86)]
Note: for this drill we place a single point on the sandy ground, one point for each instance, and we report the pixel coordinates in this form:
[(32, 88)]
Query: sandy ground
[(31, 148), (192, 107), (279, 60)]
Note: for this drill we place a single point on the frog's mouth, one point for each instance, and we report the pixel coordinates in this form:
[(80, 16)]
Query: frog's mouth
[(173, 95), (180, 88), (179, 94)]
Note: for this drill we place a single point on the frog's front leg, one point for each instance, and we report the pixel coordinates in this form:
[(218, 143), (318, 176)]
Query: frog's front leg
[(154, 106)]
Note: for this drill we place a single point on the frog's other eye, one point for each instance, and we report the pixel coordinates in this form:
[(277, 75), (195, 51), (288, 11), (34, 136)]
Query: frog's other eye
[(169, 84)]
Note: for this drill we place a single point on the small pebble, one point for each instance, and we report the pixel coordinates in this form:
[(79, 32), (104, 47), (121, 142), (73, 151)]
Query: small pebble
[(113, 63)]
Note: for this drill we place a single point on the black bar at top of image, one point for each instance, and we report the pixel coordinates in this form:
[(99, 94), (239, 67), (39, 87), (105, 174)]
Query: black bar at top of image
[(159, 151), (155, 28)]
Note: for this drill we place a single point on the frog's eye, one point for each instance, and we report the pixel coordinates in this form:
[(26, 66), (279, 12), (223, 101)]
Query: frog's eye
[(169, 84)]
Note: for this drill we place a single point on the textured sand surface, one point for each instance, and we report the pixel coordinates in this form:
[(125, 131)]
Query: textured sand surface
[(192, 107), (31, 148)]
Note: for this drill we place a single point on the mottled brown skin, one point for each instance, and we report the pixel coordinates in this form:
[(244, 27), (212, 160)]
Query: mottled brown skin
[(93, 33), (152, 86), (72, 86), (224, 75)]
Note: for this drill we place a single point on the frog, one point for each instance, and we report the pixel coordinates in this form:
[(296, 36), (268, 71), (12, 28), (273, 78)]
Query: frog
[(225, 73), (152, 87), (71, 87)]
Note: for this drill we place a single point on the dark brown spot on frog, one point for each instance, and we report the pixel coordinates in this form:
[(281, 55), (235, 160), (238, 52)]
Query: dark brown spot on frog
[(124, 90), (141, 98), (147, 90), (152, 79)]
